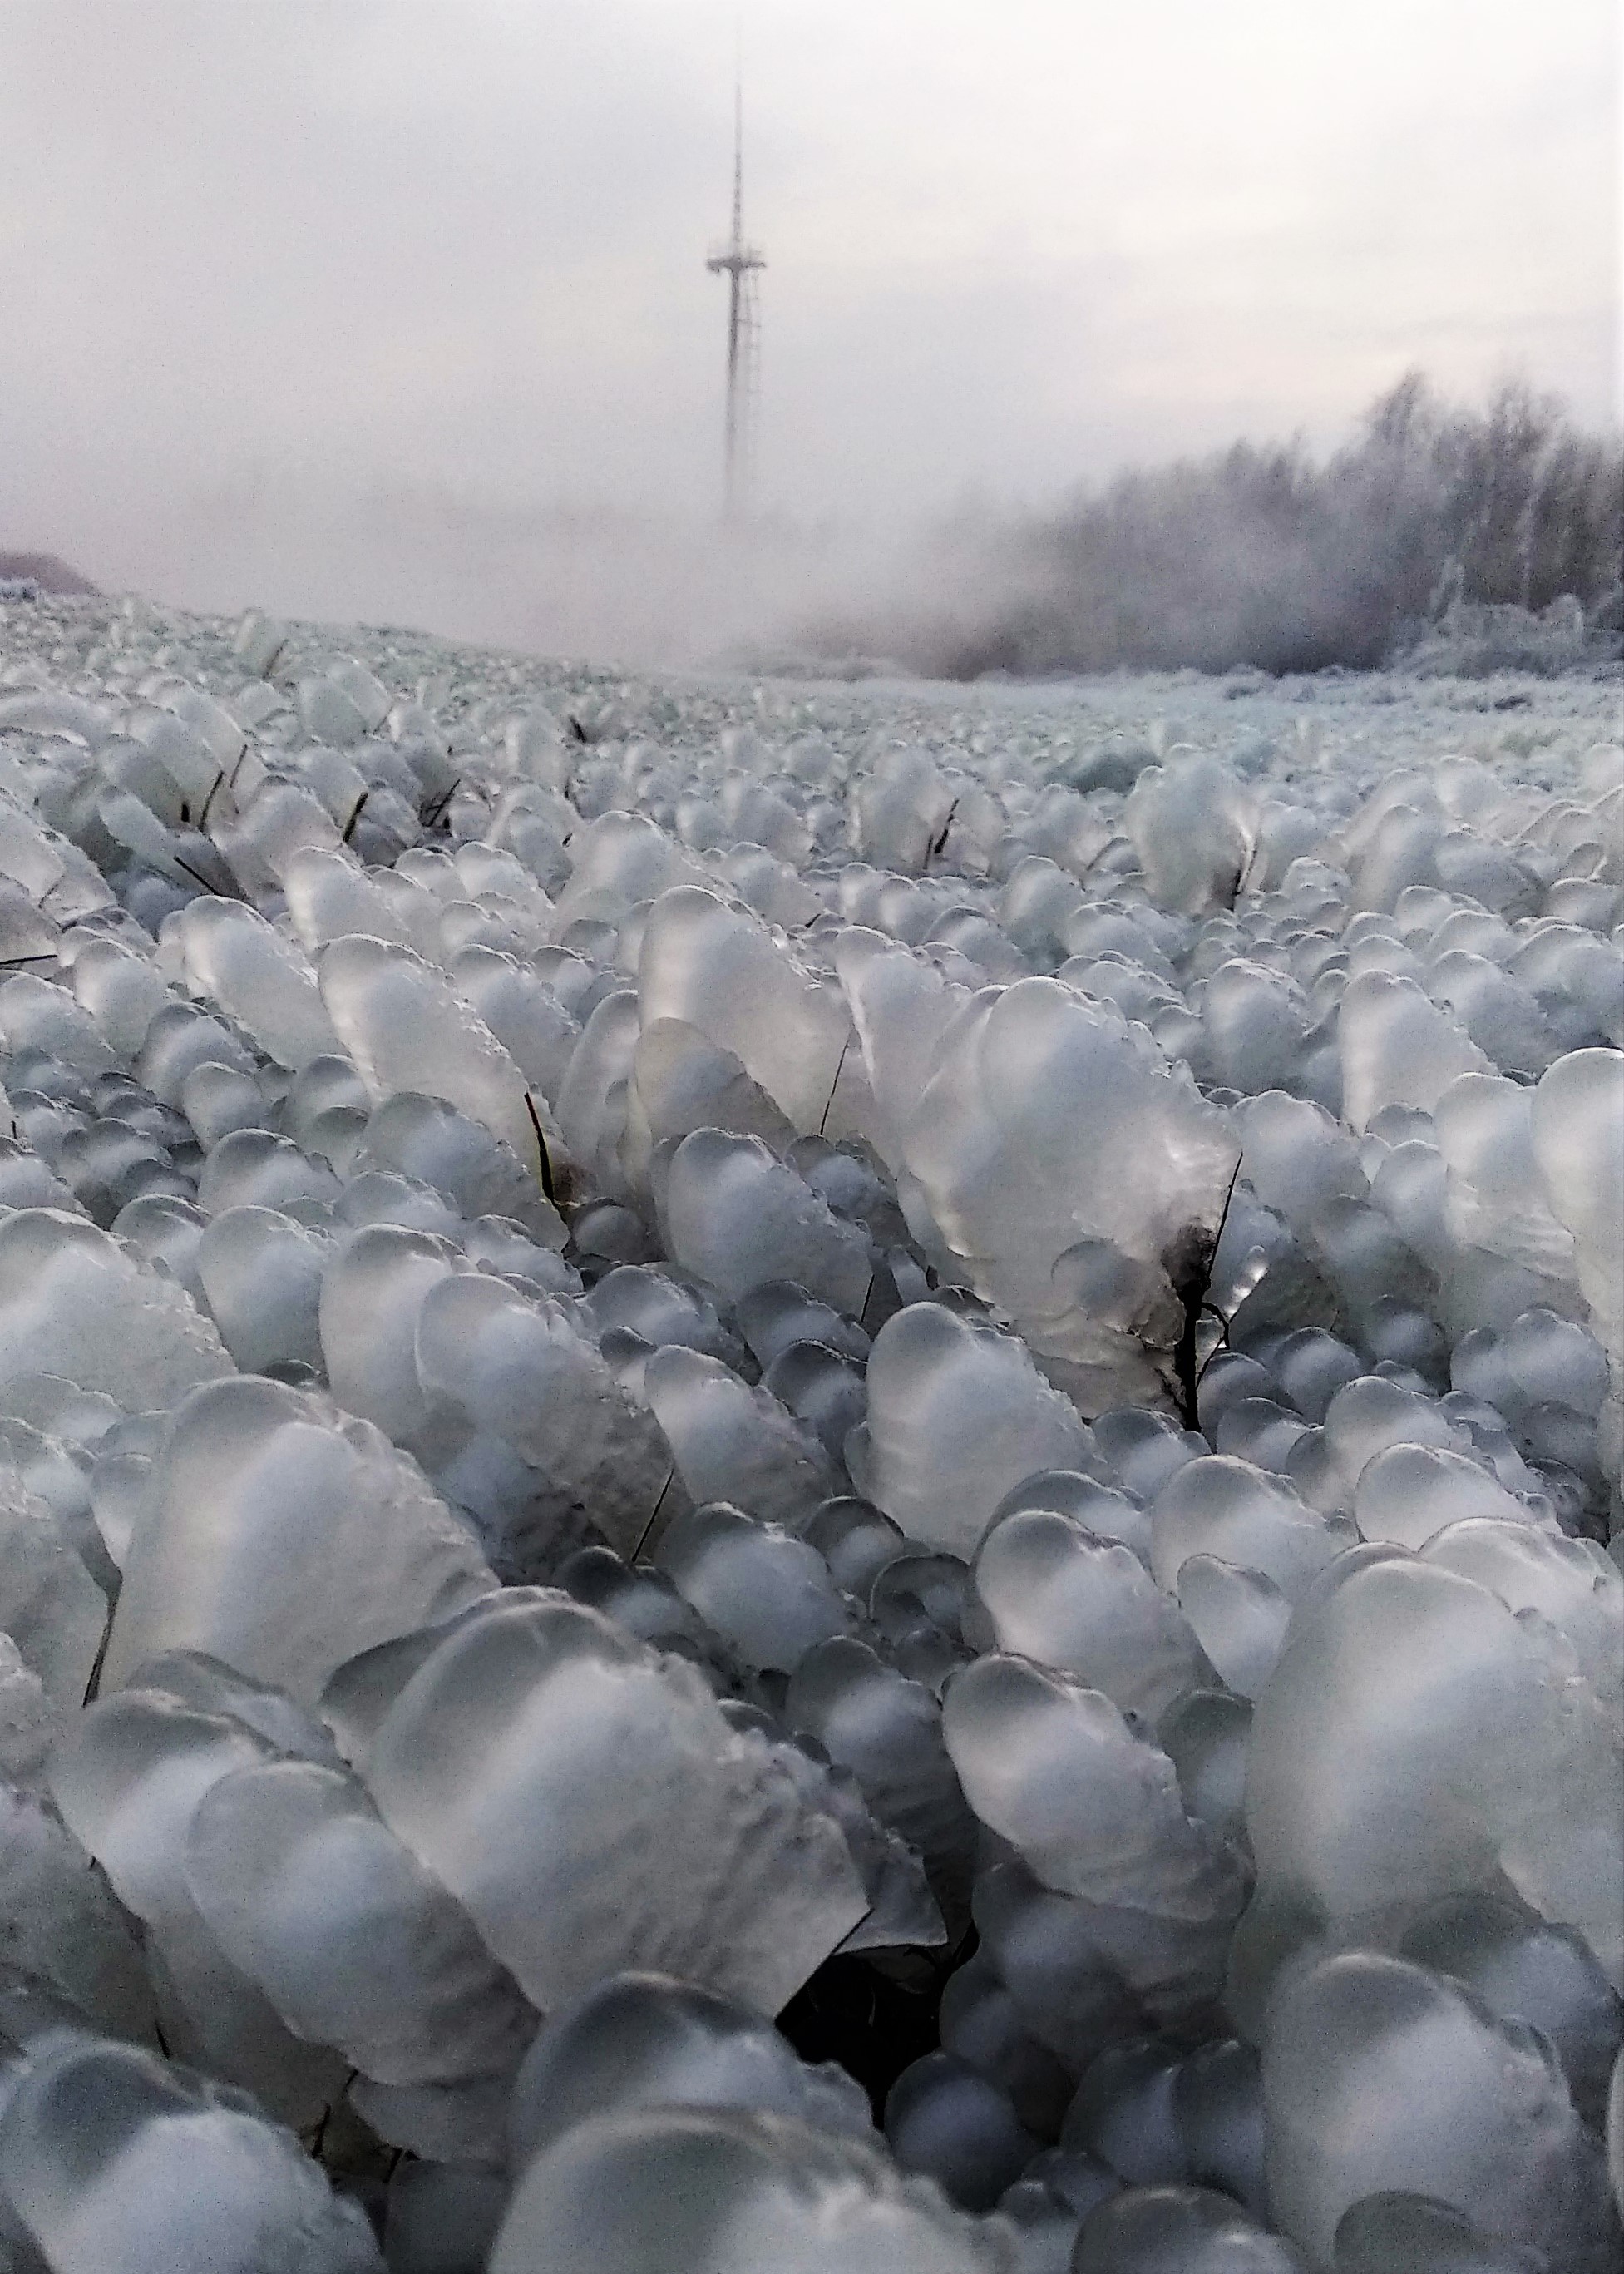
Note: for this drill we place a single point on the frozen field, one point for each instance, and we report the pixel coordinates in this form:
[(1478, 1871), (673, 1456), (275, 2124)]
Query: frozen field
[(804, 1475)]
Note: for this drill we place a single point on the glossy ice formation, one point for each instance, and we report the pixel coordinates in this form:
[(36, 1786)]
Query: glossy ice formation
[(539, 1749), (282, 1536), (675, 2189), (648, 2041), (110, 2156)]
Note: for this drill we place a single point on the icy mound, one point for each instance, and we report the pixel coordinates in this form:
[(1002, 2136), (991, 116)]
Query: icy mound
[(109, 2156), (733, 2192), (823, 1478), (281, 1536)]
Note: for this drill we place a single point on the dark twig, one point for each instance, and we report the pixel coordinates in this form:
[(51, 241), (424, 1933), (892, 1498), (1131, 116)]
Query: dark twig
[(1192, 1291), (643, 1537), (95, 1683), (834, 1085), (430, 814), (219, 892), (1224, 1215), (1211, 1311), (935, 851), (318, 2140), (541, 1148)]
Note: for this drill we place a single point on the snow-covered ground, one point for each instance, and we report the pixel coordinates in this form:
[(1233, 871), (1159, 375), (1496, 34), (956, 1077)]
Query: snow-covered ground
[(804, 1473)]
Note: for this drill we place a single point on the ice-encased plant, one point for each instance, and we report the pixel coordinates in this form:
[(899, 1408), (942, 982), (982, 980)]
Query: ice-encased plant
[(1062, 1168)]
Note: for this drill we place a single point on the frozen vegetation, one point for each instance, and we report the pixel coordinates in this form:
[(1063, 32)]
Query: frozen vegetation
[(1453, 541), (804, 1477)]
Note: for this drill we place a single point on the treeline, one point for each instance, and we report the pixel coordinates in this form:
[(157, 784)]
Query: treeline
[(1433, 521)]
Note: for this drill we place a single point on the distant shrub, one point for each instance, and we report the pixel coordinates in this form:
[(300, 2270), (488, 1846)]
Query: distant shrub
[(1493, 536), (41, 572), (1474, 639)]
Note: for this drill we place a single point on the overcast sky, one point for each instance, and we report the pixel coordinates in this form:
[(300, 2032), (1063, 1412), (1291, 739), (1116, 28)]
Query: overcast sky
[(269, 266)]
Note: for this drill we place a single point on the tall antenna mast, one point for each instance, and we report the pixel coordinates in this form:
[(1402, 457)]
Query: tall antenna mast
[(739, 262)]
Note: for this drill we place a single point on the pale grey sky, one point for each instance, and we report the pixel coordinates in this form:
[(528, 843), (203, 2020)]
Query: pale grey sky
[(266, 264)]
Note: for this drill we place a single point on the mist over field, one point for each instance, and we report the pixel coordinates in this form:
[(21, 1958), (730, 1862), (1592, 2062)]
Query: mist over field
[(1270, 556), (399, 314), (1267, 555)]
